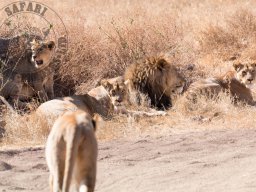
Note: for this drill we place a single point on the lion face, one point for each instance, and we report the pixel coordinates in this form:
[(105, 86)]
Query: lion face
[(173, 81), (42, 52), (178, 83), (116, 89), (245, 72)]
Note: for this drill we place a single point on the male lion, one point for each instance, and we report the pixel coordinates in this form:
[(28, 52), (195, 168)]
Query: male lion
[(236, 82), (71, 153), (157, 78)]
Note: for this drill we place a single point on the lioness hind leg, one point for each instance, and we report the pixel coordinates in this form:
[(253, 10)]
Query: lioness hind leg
[(51, 182), (83, 188), (90, 181), (87, 183), (56, 164)]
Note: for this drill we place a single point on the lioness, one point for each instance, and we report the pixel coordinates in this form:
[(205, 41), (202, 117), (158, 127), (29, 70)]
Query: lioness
[(111, 93), (42, 81), (34, 68), (102, 100), (236, 82), (157, 78), (71, 152)]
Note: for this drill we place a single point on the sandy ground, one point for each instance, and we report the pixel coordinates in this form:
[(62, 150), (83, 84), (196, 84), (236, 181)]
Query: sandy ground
[(187, 160)]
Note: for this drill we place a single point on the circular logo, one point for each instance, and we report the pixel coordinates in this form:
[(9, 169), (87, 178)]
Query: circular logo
[(32, 37)]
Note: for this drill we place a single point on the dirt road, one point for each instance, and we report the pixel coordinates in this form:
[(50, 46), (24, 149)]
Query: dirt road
[(190, 160)]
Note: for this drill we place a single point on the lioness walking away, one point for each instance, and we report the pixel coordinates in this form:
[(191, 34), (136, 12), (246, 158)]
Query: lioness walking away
[(71, 153)]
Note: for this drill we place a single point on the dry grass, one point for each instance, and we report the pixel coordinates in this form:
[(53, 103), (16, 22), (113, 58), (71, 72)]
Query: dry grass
[(106, 36), (24, 130)]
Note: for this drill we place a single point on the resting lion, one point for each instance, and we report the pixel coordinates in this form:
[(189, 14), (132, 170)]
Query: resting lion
[(107, 99), (157, 78), (102, 100), (111, 93), (71, 152), (236, 82)]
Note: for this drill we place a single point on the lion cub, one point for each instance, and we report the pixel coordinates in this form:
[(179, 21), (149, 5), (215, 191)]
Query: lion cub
[(71, 152), (236, 82)]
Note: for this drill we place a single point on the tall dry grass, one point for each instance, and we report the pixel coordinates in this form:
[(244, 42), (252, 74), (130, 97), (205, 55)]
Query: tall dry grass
[(106, 36)]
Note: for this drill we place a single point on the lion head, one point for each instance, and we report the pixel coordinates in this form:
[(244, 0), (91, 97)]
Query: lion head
[(245, 71), (116, 89), (42, 52), (157, 78)]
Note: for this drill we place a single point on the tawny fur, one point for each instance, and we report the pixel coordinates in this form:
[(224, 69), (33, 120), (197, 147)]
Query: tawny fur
[(71, 153), (235, 82), (36, 81), (113, 89), (157, 78), (102, 100)]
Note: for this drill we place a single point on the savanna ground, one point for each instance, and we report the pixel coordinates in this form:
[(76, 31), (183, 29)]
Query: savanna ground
[(208, 148)]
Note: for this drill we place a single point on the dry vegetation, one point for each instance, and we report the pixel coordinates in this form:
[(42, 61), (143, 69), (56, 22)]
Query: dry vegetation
[(106, 36)]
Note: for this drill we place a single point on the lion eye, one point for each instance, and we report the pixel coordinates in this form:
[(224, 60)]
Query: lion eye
[(113, 92), (243, 73)]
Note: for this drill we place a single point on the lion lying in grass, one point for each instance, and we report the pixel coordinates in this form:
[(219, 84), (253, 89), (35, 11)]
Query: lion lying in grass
[(157, 78), (236, 82), (107, 99), (102, 100), (111, 93)]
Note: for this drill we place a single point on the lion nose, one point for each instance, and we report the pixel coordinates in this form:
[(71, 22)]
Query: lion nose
[(119, 99), (250, 80)]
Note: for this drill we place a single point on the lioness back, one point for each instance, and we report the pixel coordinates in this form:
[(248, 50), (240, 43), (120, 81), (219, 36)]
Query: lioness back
[(71, 152)]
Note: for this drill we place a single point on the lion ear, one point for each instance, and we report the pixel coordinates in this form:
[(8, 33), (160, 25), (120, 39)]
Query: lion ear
[(161, 63), (98, 83), (51, 45), (106, 84), (237, 65), (33, 42)]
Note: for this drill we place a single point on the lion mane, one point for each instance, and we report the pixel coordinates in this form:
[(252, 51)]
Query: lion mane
[(157, 78)]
